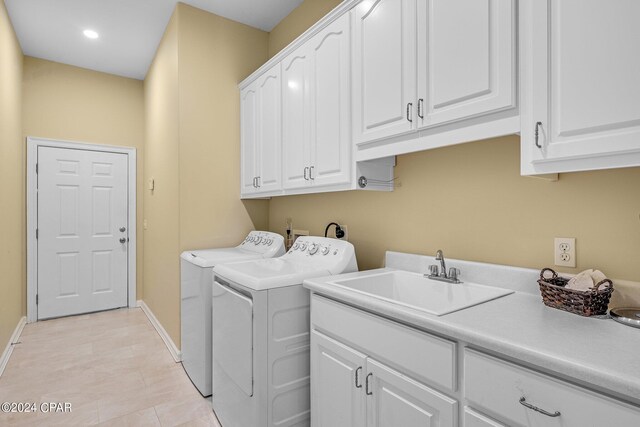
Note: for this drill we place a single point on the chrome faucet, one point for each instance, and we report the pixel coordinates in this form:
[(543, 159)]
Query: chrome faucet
[(440, 274)]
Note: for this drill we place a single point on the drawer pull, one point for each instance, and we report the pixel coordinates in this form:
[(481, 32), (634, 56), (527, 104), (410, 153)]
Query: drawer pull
[(366, 380), (524, 403), (357, 376)]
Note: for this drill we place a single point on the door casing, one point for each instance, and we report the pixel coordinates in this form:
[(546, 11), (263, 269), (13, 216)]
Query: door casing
[(33, 143)]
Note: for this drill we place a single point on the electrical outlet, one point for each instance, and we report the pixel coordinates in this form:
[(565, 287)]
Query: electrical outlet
[(346, 232), (565, 251)]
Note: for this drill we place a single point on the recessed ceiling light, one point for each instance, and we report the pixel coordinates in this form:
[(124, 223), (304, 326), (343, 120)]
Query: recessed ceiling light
[(90, 34)]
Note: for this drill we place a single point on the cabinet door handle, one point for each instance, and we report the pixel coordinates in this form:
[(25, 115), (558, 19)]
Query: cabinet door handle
[(420, 112), (524, 403), (254, 182), (257, 182), (538, 124), (311, 173), (305, 173), (357, 376), (409, 108), (367, 384)]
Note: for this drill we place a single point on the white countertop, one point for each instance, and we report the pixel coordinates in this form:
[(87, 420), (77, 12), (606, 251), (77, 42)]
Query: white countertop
[(595, 352)]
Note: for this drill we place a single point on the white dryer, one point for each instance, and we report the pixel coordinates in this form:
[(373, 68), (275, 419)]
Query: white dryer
[(196, 281), (261, 333)]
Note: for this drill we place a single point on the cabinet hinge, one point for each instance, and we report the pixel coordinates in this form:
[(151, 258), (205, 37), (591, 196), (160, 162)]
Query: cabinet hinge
[(36, 299), (36, 234), (36, 168)]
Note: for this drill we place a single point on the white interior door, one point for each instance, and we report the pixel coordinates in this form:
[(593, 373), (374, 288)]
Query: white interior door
[(82, 231)]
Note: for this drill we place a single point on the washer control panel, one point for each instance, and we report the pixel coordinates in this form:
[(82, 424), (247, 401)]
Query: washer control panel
[(262, 241), (328, 253)]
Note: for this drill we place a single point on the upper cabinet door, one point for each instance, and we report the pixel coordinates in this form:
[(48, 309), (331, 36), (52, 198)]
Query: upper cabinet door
[(296, 118), (466, 59), (331, 146), (269, 128), (384, 65), (581, 96), (248, 140)]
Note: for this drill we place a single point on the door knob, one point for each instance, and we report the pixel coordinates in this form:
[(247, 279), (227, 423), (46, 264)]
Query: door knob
[(123, 240), (123, 229)]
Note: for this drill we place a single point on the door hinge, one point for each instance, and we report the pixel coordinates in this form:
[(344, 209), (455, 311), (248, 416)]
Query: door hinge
[(36, 234), (36, 299)]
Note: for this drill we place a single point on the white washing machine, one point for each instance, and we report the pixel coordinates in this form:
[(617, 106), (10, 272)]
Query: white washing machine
[(261, 333), (196, 281)]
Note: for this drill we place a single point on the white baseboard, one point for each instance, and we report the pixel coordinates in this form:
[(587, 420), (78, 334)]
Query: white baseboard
[(6, 354), (173, 349)]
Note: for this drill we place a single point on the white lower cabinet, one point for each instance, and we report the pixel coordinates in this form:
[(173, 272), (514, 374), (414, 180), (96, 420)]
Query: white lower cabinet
[(393, 399), (356, 387), (350, 389), (337, 375), (521, 397), (371, 371)]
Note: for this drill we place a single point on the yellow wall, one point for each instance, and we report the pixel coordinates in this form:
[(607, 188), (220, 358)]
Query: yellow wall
[(193, 149), (12, 211), (471, 201), (70, 103), (297, 22), (215, 54), (161, 210)]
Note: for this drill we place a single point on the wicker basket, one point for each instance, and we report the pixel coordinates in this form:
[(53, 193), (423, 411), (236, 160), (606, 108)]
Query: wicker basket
[(585, 303)]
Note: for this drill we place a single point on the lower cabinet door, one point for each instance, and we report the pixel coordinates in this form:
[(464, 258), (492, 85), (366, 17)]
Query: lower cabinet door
[(394, 399), (474, 419), (337, 378)]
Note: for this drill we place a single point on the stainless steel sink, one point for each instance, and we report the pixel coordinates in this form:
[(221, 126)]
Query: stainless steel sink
[(416, 291)]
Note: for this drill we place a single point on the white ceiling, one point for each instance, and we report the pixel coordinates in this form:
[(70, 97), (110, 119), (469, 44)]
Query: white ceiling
[(130, 30)]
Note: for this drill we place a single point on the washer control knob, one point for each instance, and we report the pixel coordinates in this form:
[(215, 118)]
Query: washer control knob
[(313, 249), (324, 250), (303, 247), (295, 246), (269, 241), (257, 240)]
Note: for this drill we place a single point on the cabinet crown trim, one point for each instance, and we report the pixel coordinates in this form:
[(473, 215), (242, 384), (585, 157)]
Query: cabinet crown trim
[(332, 16)]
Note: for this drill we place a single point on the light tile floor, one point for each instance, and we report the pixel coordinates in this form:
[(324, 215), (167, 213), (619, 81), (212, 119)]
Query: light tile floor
[(111, 366)]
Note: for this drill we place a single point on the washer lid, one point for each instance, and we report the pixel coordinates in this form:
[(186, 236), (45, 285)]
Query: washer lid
[(628, 316), (211, 257)]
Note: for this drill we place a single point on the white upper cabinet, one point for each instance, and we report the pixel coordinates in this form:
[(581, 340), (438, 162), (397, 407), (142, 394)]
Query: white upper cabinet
[(431, 73), (261, 135), (269, 129), (248, 138), (296, 118), (581, 87), (316, 110), (384, 69), (331, 145), (466, 59)]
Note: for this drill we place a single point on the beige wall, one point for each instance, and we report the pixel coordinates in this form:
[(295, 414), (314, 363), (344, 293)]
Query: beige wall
[(161, 210), (70, 103), (215, 54), (12, 219), (471, 201), (297, 22), (193, 149)]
